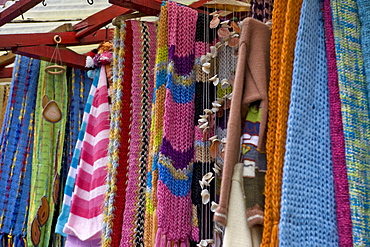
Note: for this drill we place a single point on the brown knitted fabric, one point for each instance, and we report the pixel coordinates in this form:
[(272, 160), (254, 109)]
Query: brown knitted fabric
[(285, 25), (251, 80)]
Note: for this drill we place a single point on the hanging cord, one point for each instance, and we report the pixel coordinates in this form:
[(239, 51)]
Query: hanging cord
[(55, 59), (90, 2)]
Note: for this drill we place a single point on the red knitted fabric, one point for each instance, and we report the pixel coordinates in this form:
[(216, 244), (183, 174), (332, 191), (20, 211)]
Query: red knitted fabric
[(119, 202)]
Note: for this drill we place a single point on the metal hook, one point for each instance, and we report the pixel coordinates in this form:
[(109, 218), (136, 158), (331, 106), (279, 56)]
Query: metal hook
[(43, 3), (91, 2)]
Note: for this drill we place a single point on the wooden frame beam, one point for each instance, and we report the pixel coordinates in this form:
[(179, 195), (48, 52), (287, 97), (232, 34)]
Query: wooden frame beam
[(43, 52), (98, 20), (10, 41), (149, 7), (7, 59), (17, 9), (6, 72)]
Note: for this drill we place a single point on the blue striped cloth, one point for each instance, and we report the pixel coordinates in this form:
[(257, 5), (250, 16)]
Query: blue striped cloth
[(70, 183), (307, 204)]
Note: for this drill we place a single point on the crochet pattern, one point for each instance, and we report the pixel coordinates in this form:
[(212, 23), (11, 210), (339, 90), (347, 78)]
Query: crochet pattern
[(307, 201), (142, 90), (16, 144), (176, 153), (156, 128), (355, 113), (337, 137), (72, 173), (47, 157), (286, 18)]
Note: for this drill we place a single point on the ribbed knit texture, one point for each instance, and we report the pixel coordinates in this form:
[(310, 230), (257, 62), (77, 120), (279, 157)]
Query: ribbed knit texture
[(86, 216), (156, 128), (71, 179), (176, 153), (16, 142), (355, 113), (307, 200), (4, 95), (286, 17), (119, 141), (343, 212), (143, 52), (45, 166)]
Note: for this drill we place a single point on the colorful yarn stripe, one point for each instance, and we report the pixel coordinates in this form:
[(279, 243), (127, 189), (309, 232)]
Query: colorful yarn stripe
[(174, 206), (72, 173), (16, 144), (282, 48), (142, 91), (337, 137), (156, 129), (355, 114), (308, 184), (86, 216), (46, 161)]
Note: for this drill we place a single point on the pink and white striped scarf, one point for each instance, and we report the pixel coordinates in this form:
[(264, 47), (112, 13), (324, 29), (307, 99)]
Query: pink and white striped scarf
[(86, 218)]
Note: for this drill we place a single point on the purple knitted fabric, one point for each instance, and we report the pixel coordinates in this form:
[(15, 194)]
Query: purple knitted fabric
[(337, 137)]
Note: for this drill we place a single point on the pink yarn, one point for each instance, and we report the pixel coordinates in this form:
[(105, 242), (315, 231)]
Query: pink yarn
[(337, 138)]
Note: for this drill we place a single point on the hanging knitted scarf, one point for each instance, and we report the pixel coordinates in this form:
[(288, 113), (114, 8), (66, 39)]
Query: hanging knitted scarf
[(307, 174), (4, 94), (286, 18), (156, 129), (337, 137), (176, 153), (71, 179), (47, 157), (16, 143), (86, 216), (355, 113), (119, 139), (143, 53)]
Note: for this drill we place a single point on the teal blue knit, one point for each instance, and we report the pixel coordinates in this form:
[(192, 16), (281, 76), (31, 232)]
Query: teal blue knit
[(307, 204)]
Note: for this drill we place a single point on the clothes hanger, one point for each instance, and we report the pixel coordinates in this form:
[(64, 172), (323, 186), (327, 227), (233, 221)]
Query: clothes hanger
[(230, 5)]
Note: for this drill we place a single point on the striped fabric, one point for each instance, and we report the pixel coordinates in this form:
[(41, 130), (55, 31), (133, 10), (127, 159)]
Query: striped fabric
[(86, 216), (47, 155), (355, 114), (71, 179), (16, 143), (143, 53)]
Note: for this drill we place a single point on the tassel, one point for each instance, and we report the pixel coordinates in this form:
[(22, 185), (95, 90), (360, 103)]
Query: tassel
[(184, 243), (169, 244), (163, 241), (274, 235), (10, 241), (158, 238)]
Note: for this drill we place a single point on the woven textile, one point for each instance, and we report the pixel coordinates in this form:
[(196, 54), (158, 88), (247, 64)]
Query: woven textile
[(337, 137), (4, 94), (176, 153), (47, 155), (355, 113), (86, 216), (119, 140), (16, 142), (286, 17), (143, 53), (156, 129), (307, 202), (71, 179)]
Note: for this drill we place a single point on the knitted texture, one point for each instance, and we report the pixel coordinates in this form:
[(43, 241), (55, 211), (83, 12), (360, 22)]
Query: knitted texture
[(71, 179), (4, 94), (156, 128), (142, 91), (85, 220), (286, 18), (47, 152), (337, 137), (176, 153), (355, 113), (119, 138), (16, 142), (307, 201)]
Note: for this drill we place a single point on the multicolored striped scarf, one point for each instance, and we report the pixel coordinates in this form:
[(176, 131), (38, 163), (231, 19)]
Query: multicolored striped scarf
[(86, 216), (355, 113), (71, 179), (119, 144), (4, 95), (175, 166), (47, 157), (308, 183), (16, 145), (143, 54)]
